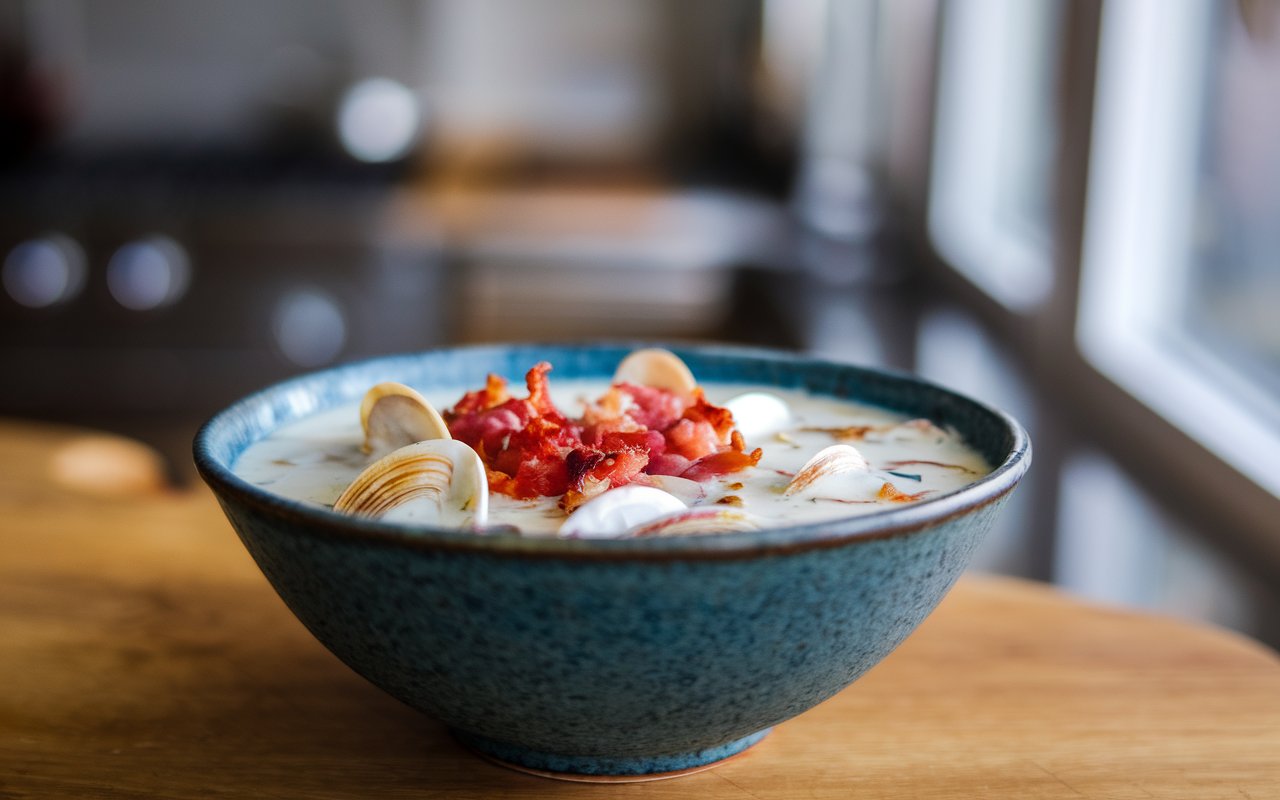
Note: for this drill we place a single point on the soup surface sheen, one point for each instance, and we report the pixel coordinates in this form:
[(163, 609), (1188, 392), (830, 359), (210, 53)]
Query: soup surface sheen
[(313, 460)]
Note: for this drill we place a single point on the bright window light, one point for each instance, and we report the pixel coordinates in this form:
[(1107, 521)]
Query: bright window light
[(1141, 227), (994, 139)]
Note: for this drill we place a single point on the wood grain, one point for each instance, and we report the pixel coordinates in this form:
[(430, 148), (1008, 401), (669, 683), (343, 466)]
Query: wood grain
[(143, 654)]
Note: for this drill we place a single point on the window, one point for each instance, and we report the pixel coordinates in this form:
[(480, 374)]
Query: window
[(990, 210), (1151, 352), (1180, 284), (1233, 282)]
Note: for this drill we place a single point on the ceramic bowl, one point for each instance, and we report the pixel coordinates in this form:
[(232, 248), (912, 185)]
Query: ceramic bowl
[(639, 657)]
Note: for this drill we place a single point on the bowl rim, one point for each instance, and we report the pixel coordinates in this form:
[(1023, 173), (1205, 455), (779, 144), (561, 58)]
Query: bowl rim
[(888, 523)]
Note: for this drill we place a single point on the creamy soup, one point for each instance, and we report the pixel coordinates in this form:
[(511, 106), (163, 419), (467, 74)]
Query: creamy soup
[(315, 459)]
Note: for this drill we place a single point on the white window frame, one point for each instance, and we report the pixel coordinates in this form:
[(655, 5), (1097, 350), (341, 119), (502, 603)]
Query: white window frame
[(980, 38), (1152, 62)]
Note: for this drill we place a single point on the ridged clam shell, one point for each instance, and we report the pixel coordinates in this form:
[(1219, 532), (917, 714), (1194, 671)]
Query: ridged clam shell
[(394, 415), (658, 368), (434, 482), (838, 459), (613, 513), (757, 414), (706, 519), (687, 491)]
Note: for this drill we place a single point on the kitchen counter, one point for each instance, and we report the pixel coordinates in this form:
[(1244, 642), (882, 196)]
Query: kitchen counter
[(144, 655)]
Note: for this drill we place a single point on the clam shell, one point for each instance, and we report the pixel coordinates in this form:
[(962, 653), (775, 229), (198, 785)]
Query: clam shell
[(434, 482), (918, 430), (658, 368), (757, 414), (813, 479), (701, 520), (613, 513), (394, 415), (687, 491)]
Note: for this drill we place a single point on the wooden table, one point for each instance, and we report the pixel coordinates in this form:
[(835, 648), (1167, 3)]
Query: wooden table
[(143, 654)]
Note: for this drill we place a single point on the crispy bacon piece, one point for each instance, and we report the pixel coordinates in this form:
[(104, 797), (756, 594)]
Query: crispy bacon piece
[(668, 464), (652, 442), (531, 449), (693, 440), (725, 461), (600, 472), (522, 442), (494, 393), (895, 495), (703, 429), (540, 392), (535, 457), (655, 409), (720, 419)]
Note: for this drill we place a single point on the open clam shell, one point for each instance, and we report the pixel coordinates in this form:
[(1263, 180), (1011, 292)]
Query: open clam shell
[(434, 482), (658, 368), (394, 415), (828, 472), (687, 491), (758, 414), (702, 520), (613, 513)]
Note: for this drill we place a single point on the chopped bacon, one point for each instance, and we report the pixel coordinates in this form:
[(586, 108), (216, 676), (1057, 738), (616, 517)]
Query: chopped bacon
[(720, 419), (655, 409), (533, 478), (491, 428), (490, 415), (494, 393), (531, 449), (721, 464), (894, 495), (533, 459), (540, 393), (607, 430), (599, 472), (621, 467), (668, 464), (522, 442), (608, 407), (725, 461), (693, 440), (652, 442), (703, 429)]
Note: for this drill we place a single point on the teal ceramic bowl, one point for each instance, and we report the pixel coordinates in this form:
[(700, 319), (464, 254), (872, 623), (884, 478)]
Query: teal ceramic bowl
[(627, 658)]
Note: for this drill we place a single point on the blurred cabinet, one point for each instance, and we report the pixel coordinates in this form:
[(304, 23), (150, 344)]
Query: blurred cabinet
[(174, 315)]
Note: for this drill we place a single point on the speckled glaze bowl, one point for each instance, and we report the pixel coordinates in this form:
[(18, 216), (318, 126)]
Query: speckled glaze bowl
[(627, 658)]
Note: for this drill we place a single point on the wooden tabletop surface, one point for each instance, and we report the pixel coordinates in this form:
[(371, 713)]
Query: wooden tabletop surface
[(142, 654)]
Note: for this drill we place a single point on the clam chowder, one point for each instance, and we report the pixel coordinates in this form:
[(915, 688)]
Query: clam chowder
[(648, 456)]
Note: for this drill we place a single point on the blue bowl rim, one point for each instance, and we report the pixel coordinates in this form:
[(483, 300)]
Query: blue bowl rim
[(896, 521)]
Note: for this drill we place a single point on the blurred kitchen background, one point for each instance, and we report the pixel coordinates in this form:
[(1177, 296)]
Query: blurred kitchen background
[(1068, 208)]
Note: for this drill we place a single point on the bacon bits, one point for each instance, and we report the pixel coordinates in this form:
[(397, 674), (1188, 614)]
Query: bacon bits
[(531, 449)]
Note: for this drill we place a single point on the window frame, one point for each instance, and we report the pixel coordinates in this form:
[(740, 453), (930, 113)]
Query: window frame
[(1012, 265), (1132, 271), (1087, 408)]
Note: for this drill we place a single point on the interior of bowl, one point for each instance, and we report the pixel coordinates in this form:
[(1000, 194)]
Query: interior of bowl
[(996, 435)]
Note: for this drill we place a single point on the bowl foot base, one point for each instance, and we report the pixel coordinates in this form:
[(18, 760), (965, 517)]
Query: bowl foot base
[(604, 769)]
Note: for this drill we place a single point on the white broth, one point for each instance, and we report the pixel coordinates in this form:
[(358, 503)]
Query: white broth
[(313, 460)]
